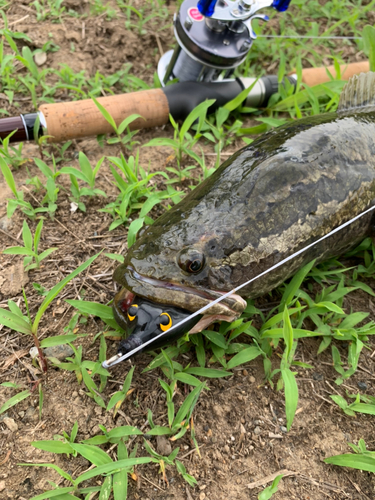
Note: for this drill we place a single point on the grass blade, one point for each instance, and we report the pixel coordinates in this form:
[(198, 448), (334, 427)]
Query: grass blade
[(291, 395), (57, 289)]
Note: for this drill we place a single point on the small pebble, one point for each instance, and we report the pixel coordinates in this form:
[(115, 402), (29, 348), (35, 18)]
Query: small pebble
[(5, 223), (257, 431), (232, 438), (2, 485), (226, 449), (11, 424), (74, 394), (163, 446), (283, 428), (257, 422), (251, 379), (59, 351), (202, 496), (245, 373), (362, 385), (31, 414)]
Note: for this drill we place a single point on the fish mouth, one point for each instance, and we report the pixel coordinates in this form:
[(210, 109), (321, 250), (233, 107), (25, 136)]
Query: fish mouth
[(177, 295)]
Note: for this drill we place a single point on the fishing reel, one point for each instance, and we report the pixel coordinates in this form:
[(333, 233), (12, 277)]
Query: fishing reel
[(213, 38)]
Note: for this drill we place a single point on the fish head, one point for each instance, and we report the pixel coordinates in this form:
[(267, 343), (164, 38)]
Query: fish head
[(181, 266)]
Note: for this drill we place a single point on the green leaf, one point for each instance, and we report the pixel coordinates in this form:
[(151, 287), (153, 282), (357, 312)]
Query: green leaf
[(125, 430), (244, 356), (331, 307), (14, 322), (38, 232), (57, 289), (27, 236), (368, 34), (94, 308), (105, 113), (111, 467), (75, 173), (197, 112), (216, 338), (207, 372), (240, 98), (8, 176), (291, 395), (363, 408), (52, 493), (187, 407), (267, 493), (287, 334), (106, 488), (120, 479), (44, 168), (125, 123), (293, 286), (14, 400), (361, 462), (53, 446), (134, 227), (18, 251), (187, 379), (159, 430), (59, 340), (92, 453), (62, 473)]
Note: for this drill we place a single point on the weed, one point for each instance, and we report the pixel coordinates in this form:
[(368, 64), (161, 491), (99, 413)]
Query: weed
[(15, 320), (183, 141), (14, 400), (362, 459), (86, 174), (28, 248), (125, 142)]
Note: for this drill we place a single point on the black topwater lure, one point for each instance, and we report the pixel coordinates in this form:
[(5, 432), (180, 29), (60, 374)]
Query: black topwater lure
[(144, 320)]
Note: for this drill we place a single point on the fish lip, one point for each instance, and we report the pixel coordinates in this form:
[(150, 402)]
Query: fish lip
[(207, 295)]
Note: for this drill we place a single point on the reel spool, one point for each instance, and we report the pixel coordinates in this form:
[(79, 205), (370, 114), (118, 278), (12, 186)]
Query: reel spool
[(213, 38)]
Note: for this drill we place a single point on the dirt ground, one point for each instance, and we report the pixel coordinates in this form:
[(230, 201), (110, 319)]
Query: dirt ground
[(240, 421)]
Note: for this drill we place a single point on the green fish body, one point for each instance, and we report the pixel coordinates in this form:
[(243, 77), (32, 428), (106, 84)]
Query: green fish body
[(286, 190)]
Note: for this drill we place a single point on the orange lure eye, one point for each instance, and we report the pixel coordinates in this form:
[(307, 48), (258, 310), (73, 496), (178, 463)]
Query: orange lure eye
[(165, 322), (132, 312)]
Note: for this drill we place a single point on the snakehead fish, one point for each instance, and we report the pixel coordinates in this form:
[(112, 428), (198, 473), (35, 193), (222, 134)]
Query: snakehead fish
[(284, 191)]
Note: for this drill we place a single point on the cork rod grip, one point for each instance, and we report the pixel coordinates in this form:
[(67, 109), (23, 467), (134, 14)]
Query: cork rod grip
[(72, 120), (315, 76)]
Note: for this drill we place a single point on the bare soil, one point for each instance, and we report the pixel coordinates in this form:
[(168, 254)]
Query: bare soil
[(240, 421)]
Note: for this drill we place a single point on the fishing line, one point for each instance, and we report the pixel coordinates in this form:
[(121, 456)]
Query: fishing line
[(313, 37), (117, 359)]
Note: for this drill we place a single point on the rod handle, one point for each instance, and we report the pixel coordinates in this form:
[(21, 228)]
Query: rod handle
[(73, 120), (315, 76)]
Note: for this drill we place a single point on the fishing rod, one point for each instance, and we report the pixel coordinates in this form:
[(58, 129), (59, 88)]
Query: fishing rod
[(213, 38), (121, 357)]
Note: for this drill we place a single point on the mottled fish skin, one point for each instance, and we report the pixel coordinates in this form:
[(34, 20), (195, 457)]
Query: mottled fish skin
[(270, 199)]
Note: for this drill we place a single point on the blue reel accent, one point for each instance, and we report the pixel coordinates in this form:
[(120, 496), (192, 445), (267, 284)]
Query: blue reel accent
[(206, 7), (281, 5)]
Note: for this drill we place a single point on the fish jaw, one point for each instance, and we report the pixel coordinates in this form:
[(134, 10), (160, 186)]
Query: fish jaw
[(168, 293)]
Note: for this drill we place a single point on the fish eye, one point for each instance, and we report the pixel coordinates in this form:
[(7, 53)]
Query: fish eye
[(132, 311), (191, 261), (165, 322)]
